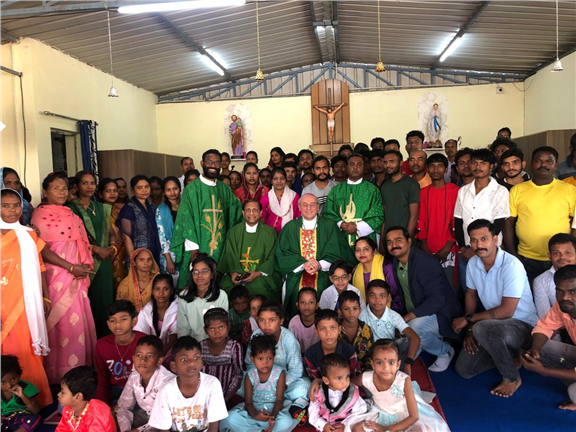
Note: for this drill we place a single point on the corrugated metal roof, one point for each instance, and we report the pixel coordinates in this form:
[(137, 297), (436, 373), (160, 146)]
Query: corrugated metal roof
[(507, 37)]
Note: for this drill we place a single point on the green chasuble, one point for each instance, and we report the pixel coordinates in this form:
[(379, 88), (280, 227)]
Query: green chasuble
[(101, 292), (356, 203), (204, 216), (244, 252), (326, 242)]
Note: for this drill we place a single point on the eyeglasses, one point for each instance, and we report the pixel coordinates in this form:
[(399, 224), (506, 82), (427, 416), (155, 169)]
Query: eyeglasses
[(306, 205), (340, 278), (212, 163), (203, 272)]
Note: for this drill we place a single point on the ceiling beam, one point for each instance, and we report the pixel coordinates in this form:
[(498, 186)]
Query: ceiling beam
[(8, 36), (195, 45), (335, 30), (315, 30), (463, 30), (49, 7)]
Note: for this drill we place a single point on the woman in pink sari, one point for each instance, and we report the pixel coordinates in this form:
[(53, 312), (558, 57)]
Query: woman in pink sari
[(280, 204), (70, 325)]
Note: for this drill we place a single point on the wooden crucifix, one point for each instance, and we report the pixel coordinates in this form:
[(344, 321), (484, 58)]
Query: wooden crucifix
[(330, 98)]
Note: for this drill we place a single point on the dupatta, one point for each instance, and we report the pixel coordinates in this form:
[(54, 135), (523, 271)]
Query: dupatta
[(284, 209), (243, 193), (32, 284)]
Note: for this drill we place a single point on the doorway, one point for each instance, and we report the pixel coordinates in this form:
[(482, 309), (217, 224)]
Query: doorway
[(66, 156)]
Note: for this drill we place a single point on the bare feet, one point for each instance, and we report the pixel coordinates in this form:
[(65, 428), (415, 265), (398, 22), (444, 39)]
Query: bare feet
[(569, 406), (506, 388)]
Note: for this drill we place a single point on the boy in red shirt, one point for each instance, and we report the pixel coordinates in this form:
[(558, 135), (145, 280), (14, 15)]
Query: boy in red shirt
[(113, 354)]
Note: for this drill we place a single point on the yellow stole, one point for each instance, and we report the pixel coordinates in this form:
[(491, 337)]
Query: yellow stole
[(377, 272)]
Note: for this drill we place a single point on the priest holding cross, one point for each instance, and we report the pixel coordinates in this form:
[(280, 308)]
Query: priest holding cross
[(207, 210)]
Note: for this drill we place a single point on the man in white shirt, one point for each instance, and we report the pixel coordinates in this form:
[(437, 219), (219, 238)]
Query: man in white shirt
[(484, 198), (186, 163), (562, 252)]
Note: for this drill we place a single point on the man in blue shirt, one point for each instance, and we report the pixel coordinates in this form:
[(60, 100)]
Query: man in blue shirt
[(494, 337)]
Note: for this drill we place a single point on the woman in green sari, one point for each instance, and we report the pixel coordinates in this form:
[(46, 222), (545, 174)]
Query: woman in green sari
[(96, 218)]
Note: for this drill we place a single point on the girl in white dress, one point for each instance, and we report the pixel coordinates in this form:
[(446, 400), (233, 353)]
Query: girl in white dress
[(398, 404)]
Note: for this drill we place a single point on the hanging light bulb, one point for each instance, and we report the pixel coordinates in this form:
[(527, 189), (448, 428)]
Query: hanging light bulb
[(557, 66), (113, 93), (259, 73), (380, 65)]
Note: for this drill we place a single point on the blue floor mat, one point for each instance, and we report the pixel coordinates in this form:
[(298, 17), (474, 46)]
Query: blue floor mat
[(469, 406)]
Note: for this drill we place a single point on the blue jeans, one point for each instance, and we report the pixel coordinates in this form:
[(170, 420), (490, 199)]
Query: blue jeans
[(426, 328), (462, 264)]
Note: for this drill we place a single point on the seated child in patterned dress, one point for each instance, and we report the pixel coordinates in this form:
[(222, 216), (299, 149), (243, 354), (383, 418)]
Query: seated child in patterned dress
[(222, 356), (264, 386), (338, 402), (20, 409)]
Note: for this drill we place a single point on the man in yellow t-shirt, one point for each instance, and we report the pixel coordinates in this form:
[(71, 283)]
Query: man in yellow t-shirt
[(539, 208)]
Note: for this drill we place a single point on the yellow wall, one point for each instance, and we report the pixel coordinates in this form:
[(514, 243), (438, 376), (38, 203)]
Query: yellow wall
[(188, 129), (551, 98), (56, 82), (476, 114)]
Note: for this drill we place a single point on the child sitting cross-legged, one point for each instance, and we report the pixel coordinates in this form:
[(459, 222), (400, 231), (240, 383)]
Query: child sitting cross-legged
[(137, 399), (20, 409), (251, 324), (113, 354), (354, 331), (265, 408), (158, 317), (222, 356), (193, 400), (340, 274), (302, 325), (81, 412), (328, 329), (240, 312), (338, 402), (398, 404), (270, 320), (384, 322)]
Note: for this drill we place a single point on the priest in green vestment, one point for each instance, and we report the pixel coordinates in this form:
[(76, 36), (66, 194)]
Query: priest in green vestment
[(207, 210), (307, 246), (356, 204), (248, 255)]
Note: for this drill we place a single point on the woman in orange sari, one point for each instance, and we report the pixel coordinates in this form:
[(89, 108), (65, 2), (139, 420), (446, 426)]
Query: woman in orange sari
[(137, 286), (23, 312)]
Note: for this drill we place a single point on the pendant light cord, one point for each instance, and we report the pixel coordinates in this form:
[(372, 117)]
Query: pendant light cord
[(557, 30), (110, 46), (379, 49), (257, 33)]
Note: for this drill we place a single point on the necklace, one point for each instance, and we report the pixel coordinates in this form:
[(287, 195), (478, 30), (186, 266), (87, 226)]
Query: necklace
[(127, 349), (93, 211), (75, 421)]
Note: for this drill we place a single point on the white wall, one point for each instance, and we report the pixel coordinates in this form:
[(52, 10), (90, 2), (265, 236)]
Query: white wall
[(56, 82), (476, 114), (550, 98)]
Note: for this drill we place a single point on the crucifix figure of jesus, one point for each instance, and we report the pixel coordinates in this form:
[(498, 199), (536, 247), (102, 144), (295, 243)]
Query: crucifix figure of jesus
[(331, 115)]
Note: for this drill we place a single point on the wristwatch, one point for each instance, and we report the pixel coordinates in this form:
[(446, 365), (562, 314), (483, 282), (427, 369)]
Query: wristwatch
[(468, 318), (409, 361)]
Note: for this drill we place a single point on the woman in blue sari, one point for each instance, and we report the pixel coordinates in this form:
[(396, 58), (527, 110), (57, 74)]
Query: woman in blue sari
[(10, 179), (137, 220), (165, 218)]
